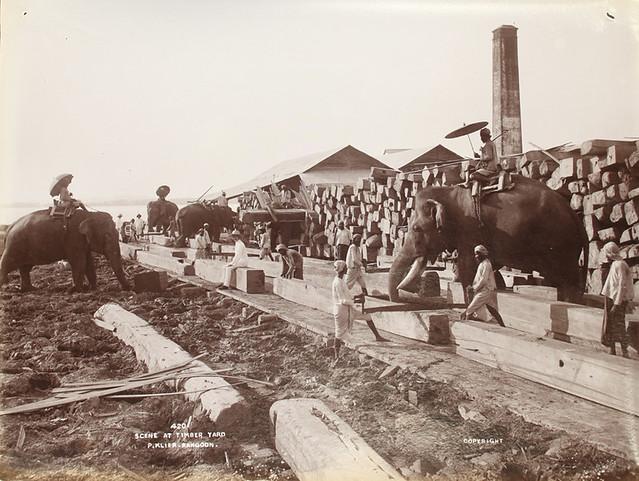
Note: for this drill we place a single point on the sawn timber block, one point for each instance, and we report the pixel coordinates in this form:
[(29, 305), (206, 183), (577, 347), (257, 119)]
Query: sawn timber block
[(612, 381), (151, 281), (172, 264), (249, 280), (318, 445)]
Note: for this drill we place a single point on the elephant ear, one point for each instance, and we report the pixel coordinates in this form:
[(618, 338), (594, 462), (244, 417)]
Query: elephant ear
[(87, 228), (437, 213)]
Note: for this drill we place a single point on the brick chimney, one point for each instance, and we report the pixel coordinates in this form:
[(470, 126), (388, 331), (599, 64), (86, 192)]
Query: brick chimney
[(506, 105)]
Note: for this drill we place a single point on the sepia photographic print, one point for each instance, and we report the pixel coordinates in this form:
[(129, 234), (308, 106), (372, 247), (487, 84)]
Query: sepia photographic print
[(319, 240)]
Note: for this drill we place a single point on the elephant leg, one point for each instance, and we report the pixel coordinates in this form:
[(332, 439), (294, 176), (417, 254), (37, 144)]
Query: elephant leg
[(25, 278), (90, 271), (78, 270)]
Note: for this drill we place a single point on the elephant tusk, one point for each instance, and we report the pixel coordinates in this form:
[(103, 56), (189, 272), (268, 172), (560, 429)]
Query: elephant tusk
[(412, 273)]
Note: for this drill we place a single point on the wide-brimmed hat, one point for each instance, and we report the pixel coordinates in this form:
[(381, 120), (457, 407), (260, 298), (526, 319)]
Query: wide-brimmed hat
[(62, 180)]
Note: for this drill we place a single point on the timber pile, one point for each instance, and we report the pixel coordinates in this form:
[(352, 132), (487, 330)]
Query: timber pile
[(377, 207)]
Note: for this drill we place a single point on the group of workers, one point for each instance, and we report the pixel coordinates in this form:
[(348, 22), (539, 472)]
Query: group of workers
[(130, 231)]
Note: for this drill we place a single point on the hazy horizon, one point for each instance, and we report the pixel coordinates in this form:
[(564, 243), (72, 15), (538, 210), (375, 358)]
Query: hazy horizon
[(131, 95)]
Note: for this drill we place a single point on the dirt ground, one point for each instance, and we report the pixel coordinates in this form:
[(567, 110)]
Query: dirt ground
[(48, 338)]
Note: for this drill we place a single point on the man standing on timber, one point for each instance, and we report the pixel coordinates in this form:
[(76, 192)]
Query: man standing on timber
[(355, 265), (484, 298), (618, 291), (200, 244), (207, 239), (343, 240), (343, 309), (240, 259), (292, 263)]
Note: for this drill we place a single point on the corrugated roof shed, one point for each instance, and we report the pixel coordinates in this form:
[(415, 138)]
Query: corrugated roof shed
[(345, 165), (417, 159)]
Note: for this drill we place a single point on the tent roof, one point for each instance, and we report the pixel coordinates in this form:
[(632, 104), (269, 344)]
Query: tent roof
[(401, 159), (343, 158)]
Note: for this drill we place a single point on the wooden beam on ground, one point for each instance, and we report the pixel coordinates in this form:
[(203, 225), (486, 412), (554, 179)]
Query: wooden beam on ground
[(318, 445), (224, 405), (612, 381)]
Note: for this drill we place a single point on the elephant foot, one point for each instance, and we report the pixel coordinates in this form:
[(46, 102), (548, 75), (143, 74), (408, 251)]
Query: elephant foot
[(28, 288)]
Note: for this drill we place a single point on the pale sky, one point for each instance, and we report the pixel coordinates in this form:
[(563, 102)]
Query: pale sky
[(131, 94)]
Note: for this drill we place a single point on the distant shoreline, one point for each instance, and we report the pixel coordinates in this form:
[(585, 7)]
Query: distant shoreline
[(96, 202)]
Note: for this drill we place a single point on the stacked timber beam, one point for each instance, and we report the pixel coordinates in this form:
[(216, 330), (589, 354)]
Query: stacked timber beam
[(377, 207)]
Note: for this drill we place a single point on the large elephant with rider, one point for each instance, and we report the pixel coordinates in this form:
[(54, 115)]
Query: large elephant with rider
[(191, 218), (38, 239), (160, 213), (529, 227)]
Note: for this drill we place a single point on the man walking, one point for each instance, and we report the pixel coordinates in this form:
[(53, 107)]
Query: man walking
[(343, 309), (355, 265), (139, 226), (484, 297), (240, 259), (343, 240), (618, 291)]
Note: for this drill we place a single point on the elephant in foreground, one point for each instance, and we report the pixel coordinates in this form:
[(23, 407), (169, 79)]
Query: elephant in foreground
[(191, 218), (160, 213), (38, 239), (529, 227)]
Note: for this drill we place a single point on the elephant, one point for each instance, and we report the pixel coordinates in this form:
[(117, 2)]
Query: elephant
[(192, 217), (159, 214), (529, 227), (38, 239)]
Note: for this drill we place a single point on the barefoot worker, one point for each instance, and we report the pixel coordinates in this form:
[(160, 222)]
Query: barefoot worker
[(240, 259), (618, 291), (292, 263), (355, 265), (484, 297), (343, 309)]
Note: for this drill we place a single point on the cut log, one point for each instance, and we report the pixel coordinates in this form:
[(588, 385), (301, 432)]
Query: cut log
[(600, 146), (610, 234), (576, 202), (595, 181), (594, 254), (591, 224), (567, 168), (617, 214), (318, 445), (631, 210), (609, 178), (617, 154), (152, 281), (626, 236), (583, 168)]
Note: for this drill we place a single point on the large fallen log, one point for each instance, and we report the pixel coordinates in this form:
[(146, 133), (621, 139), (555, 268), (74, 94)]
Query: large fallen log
[(318, 445), (224, 405)]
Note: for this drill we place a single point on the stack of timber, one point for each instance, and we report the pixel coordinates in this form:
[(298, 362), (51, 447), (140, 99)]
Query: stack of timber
[(377, 207)]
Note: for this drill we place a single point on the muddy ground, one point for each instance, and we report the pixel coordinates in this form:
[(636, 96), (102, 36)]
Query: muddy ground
[(48, 338)]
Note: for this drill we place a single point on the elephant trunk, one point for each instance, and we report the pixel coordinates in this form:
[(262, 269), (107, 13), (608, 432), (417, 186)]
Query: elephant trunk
[(398, 271), (115, 260)]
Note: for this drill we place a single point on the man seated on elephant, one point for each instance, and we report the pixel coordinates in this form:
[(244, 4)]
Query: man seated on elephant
[(292, 263), (240, 259), (483, 305), (488, 165), (355, 265)]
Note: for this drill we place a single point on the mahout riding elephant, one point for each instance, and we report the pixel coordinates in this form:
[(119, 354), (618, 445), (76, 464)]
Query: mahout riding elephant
[(529, 227), (37, 239), (159, 214), (192, 217)]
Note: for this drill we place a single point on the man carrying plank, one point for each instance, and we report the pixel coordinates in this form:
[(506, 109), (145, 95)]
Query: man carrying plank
[(484, 298), (618, 291)]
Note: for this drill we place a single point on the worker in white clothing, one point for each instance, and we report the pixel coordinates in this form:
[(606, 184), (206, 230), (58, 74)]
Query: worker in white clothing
[(355, 265), (484, 297), (343, 239), (343, 311), (240, 259)]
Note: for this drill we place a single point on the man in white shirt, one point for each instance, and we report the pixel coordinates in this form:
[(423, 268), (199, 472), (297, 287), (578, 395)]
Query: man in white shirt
[(207, 239), (118, 225), (355, 265), (139, 226), (618, 291), (292, 263), (343, 311), (240, 259), (343, 239), (222, 200), (484, 301)]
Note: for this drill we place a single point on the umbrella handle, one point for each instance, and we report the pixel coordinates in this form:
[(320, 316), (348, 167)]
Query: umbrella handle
[(471, 143)]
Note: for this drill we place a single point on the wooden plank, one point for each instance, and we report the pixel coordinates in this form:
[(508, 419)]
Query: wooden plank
[(318, 445), (612, 381), (600, 146)]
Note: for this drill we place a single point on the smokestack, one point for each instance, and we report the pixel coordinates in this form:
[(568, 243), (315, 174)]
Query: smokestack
[(506, 105)]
